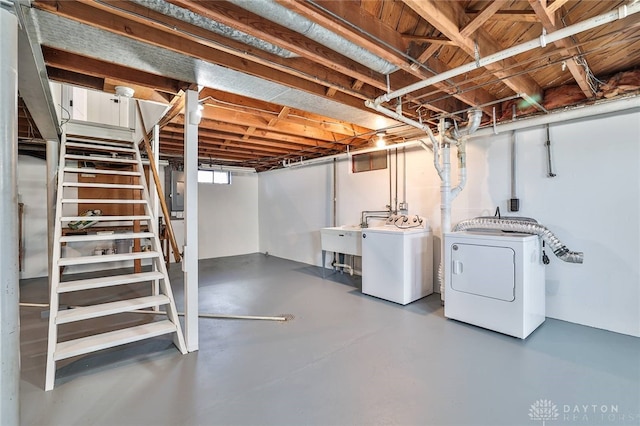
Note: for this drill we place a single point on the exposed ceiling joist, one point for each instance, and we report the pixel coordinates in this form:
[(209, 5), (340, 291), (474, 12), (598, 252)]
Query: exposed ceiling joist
[(547, 18), (273, 91), (448, 17)]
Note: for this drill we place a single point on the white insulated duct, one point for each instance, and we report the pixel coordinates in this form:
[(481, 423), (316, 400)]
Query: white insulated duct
[(185, 15), (527, 227), (279, 14)]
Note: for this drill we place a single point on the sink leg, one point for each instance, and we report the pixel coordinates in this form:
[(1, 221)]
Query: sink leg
[(324, 255)]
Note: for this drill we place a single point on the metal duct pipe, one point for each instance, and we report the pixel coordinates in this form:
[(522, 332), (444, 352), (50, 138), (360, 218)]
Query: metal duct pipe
[(527, 227), (542, 41), (279, 14), (192, 18), (9, 290)]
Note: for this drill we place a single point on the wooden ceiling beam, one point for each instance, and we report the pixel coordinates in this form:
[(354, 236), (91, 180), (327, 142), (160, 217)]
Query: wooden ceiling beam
[(391, 50), (554, 7), (176, 106), (97, 68), (489, 10), (79, 79), (269, 111), (178, 131), (440, 41), (216, 154), (281, 115), (228, 147), (507, 15), (257, 121), (547, 18), (256, 150), (448, 17), (261, 133)]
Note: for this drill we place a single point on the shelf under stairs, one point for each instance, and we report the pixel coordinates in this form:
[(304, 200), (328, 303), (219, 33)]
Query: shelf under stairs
[(100, 170)]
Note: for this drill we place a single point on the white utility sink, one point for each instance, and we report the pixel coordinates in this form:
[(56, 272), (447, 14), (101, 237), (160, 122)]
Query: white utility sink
[(345, 239)]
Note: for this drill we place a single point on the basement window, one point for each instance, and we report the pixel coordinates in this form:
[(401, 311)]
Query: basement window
[(214, 176), (369, 161)]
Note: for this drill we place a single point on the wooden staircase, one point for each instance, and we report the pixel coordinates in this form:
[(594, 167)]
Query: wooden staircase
[(106, 155)]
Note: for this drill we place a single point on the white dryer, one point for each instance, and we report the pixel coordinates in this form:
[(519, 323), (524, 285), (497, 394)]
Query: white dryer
[(495, 280)]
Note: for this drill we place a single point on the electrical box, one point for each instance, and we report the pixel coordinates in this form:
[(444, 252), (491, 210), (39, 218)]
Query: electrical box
[(176, 196)]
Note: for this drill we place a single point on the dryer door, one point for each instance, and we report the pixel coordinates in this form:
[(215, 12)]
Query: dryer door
[(487, 271)]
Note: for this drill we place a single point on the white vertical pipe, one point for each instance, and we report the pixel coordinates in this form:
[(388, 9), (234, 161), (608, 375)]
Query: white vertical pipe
[(153, 192), (155, 148), (52, 170), (514, 176), (9, 296), (445, 189), (190, 258)]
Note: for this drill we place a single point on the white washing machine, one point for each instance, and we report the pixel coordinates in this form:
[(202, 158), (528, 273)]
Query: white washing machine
[(397, 260), (495, 280)]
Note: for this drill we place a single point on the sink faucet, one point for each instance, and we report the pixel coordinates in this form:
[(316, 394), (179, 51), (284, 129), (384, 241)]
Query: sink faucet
[(366, 214)]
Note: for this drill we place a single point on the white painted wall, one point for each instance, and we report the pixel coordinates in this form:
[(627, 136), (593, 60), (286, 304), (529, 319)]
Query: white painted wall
[(228, 217), (593, 205), (293, 206), (32, 187)]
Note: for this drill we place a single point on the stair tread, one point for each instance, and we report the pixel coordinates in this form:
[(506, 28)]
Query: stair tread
[(100, 282), (85, 260), (110, 308), (100, 159), (91, 170), (101, 201), (97, 342), (104, 237), (101, 185), (99, 147), (103, 218)]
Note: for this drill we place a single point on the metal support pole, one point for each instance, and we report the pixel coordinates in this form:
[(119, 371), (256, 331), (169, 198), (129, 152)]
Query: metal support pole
[(9, 292), (190, 257)]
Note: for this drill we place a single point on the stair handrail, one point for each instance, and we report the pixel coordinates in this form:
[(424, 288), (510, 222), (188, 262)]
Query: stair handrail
[(156, 178)]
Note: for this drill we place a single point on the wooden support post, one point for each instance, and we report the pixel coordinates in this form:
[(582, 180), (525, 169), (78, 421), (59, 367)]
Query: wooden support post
[(158, 185)]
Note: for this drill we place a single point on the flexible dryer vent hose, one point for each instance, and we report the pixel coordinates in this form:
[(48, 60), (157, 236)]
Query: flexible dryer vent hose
[(527, 227)]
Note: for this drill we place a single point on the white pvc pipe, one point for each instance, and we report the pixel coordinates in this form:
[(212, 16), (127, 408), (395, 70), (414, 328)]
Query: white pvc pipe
[(222, 316), (577, 113), (605, 107), (9, 290), (141, 311), (542, 41), (190, 258)]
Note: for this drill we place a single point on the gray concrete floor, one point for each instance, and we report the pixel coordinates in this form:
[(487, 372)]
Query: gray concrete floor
[(345, 359)]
